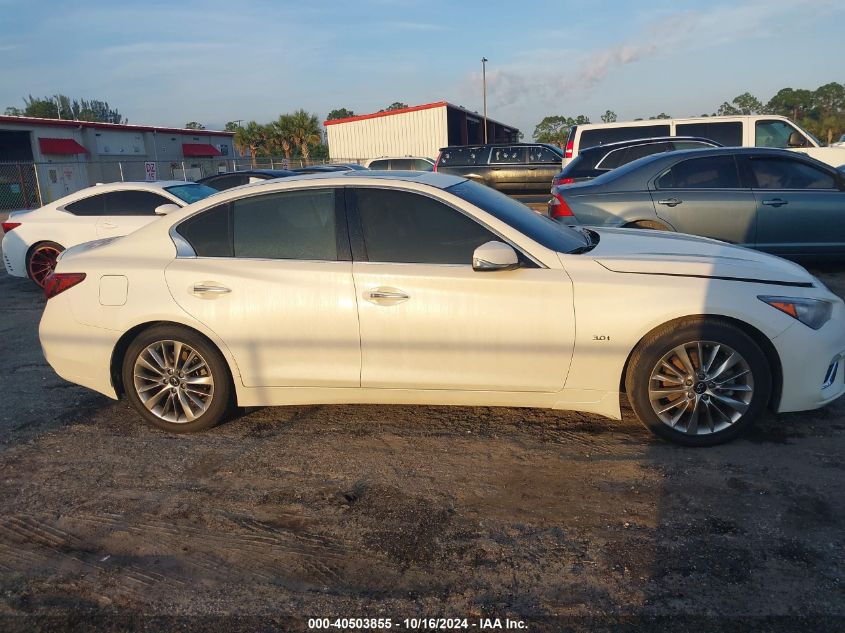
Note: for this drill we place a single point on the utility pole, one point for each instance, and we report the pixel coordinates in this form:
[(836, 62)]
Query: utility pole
[(484, 88)]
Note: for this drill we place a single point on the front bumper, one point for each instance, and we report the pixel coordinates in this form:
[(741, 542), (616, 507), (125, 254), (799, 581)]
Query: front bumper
[(813, 363)]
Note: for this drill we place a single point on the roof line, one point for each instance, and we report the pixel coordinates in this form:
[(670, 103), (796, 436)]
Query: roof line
[(26, 120), (424, 106)]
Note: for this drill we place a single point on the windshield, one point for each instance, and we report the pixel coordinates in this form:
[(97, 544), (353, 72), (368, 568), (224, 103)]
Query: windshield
[(539, 228), (191, 192)]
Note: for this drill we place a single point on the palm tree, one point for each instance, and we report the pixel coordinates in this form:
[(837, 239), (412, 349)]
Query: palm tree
[(283, 133), (305, 131), (252, 136)]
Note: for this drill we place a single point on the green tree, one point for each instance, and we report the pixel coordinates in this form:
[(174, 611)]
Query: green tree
[(662, 115), (193, 125), (61, 106), (305, 131), (609, 117), (283, 133), (791, 103), (396, 105), (253, 137), (232, 126), (339, 113), (555, 129), (747, 103)]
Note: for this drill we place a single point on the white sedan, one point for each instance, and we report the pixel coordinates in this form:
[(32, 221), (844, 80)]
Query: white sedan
[(33, 239), (427, 288)]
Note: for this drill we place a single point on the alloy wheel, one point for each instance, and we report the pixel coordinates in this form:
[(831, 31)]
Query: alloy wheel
[(701, 387), (42, 262), (173, 381)]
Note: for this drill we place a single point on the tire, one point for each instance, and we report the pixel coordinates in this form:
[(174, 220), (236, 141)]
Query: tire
[(41, 261), (647, 224), (708, 411), (199, 400)]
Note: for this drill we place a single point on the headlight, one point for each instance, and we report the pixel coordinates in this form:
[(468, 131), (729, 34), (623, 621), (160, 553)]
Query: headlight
[(813, 313)]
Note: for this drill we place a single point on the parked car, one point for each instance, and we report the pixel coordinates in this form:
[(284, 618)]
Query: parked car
[(769, 199), (322, 169), (33, 239), (403, 163), (514, 168), (595, 161), (731, 131), (221, 182), (416, 288)]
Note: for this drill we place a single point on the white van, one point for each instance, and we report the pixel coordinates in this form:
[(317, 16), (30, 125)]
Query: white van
[(731, 131)]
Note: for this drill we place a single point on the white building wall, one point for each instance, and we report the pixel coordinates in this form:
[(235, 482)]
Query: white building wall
[(417, 133)]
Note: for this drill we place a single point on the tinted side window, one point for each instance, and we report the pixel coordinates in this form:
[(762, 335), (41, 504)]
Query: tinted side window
[(728, 134), (403, 164), (423, 165), (789, 174), (507, 155), (622, 156), (406, 227), (92, 205), (380, 164), (464, 156), (690, 145), (603, 136), (539, 154), (291, 225), (133, 202), (226, 182), (209, 233), (708, 172)]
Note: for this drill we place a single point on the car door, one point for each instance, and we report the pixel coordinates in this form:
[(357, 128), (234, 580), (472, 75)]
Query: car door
[(704, 196), (273, 279), (127, 211), (543, 166), (800, 207), (429, 321), (81, 225), (508, 169)]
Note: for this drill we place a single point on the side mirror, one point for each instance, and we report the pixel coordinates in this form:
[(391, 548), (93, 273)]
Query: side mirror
[(796, 140), (164, 209), (494, 256)]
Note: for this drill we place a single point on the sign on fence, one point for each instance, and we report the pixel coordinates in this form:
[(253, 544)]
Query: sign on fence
[(151, 171)]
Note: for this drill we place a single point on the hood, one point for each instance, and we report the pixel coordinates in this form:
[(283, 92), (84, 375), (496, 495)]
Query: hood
[(675, 254)]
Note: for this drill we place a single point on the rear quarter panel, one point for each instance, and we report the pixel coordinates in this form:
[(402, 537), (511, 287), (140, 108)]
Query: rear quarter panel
[(611, 209)]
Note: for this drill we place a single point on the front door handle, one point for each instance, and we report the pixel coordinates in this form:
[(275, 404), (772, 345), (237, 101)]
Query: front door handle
[(210, 289), (386, 296), (670, 202), (776, 202)]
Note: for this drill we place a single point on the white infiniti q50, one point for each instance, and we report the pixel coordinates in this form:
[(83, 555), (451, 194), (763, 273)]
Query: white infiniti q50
[(426, 288)]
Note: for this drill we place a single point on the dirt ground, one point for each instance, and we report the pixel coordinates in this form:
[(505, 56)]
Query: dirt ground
[(561, 521)]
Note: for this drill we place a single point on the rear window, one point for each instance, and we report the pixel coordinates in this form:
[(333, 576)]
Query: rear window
[(603, 136), (625, 155), (728, 134), (464, 156)]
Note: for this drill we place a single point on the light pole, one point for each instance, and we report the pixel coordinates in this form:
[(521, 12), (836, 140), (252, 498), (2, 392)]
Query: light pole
[(484, 89)]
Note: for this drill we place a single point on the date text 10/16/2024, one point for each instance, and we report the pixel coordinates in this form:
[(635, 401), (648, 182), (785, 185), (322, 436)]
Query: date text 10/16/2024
[(416, 623)]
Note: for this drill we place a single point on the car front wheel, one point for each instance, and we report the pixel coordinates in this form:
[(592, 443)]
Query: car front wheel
[(698, 383), (177, 379)]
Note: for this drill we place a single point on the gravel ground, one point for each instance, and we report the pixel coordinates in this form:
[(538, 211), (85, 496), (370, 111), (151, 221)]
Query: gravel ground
[(560, 520)]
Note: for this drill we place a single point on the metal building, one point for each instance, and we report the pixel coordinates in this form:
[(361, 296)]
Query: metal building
[(417, 131), (42, 160)]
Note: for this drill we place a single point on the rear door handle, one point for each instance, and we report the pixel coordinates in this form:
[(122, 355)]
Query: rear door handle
[(386, 296), (777, 202), (210, 289), (670, 202)]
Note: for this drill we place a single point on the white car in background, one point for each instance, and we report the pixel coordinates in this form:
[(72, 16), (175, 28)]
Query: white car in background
[(364, 287), (33, 239)]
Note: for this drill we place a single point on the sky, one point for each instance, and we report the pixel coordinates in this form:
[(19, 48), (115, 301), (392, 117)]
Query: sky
[(167, 63)]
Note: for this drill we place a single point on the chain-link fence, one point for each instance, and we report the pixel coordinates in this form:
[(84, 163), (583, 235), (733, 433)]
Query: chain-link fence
[(29, 185)]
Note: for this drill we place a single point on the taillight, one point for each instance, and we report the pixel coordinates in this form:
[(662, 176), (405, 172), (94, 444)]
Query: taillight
[(436, 163), (558, 207), (8, 226), (57, 283), (570, 147), (562, 181)]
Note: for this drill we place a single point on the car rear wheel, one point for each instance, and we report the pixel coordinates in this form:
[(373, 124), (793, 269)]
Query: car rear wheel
[(698, 383), (176, 379), (41, 261)]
